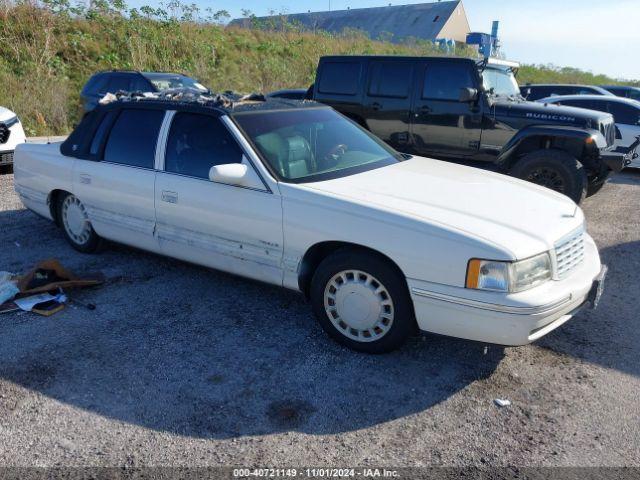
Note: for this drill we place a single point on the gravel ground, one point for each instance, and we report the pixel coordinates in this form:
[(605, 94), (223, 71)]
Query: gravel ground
[(184, 366)]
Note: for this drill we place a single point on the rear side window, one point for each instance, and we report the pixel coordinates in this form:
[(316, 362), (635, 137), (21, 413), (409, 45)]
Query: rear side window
[(624, 114), (390, 79), (117, 83), (443, 82), (132, 140), (198, 142), (340, 78), (95, 84)]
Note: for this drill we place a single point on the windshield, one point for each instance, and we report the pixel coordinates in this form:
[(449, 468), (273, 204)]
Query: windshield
[(316, 144), (168, 81), (500, 82)]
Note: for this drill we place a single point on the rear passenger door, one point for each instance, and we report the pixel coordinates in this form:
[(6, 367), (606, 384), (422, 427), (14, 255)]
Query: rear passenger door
[(387, 101), (233, 228), (117, 185)]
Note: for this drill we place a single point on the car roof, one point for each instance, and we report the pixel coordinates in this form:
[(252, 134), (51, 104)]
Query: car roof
[(396, 57), (163, 74), (621, 87), (555, 98)]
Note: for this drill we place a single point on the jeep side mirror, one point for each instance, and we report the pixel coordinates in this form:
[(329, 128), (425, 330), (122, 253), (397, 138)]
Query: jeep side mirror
[(468, 95)]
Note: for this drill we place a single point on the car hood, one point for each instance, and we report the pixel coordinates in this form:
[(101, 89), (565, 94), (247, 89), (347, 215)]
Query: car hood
[(520, 218), (544, 113), (6, 114)]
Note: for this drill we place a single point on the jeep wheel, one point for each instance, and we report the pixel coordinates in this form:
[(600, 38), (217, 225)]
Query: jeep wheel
[(553, 169)]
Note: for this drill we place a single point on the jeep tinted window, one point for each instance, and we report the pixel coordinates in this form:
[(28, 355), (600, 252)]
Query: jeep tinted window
[(340, 78), (444, 81), (132, 140), (198, 142), (390, 79)]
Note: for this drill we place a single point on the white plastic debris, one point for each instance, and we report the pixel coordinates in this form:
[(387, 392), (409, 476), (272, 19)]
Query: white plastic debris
[(502, 402), (108, 98)]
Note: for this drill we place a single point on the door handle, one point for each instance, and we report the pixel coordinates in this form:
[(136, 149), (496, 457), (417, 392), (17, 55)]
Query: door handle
[(424, 110), (376, 106), (169, 197)]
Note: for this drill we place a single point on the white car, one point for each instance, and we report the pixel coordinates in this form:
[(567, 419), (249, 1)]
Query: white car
[(11, 135), (294, 194), (625, 111)]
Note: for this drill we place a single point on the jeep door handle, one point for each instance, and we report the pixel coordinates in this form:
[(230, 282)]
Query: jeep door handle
[(423, 111), (376, 106)]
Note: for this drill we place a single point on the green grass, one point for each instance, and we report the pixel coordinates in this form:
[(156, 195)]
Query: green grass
[(49, 52)]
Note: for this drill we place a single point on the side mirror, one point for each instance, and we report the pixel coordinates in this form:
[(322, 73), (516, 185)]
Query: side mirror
[(230, 173), (527, 92), (468, 95)]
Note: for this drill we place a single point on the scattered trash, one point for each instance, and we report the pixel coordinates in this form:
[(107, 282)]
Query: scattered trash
[(17, 244), (41, 289), (88, 306), (502, 402)]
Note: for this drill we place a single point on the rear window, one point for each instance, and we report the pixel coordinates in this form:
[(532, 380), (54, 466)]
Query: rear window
[(390, 79), (340, 78), (132, 140)]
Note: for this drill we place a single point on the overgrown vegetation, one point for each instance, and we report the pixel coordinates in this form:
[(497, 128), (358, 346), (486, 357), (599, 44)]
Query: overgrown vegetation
[(50, 48)]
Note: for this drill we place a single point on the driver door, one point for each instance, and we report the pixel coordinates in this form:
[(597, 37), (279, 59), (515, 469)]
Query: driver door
[(237, 229), (441, 124)]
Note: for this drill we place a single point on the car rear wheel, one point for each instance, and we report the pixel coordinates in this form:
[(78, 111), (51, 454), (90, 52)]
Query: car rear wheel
[(76, 225), (362, 302), (553, 169)]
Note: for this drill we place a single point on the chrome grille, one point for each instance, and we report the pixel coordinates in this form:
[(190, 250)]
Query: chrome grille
[(6, 158), (569, 253)]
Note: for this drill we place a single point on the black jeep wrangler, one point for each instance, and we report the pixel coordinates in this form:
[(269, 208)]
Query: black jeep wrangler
[(467, 110)]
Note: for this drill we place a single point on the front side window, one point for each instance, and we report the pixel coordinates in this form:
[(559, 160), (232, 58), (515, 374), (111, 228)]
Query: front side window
[(444, 82), (390, 79), (314, 144), (198, 142), (132, 140)]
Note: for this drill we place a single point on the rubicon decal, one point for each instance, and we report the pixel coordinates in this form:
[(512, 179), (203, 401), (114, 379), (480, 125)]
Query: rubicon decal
[(546, 116)]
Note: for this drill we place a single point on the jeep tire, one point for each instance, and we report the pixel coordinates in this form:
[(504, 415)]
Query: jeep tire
[(553, 169)]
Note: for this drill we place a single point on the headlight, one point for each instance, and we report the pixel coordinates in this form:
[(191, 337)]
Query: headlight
[(10, 122), (510, 277)]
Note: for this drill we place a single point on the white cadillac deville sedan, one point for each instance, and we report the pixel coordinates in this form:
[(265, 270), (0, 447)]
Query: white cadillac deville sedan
[(293, 194)]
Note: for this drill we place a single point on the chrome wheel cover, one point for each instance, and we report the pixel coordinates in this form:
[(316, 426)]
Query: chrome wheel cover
[(75, 220), (359, 306)]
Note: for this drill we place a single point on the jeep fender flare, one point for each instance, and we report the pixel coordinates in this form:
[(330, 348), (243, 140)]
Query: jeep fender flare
[(572, 140)]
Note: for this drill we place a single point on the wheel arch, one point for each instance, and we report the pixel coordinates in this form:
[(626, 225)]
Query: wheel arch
[(53, 200), (318, 252)]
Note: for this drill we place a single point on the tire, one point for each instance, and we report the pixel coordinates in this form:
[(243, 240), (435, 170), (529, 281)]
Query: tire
[(75, 225), (553, 169), (351, 282), (594, 188)]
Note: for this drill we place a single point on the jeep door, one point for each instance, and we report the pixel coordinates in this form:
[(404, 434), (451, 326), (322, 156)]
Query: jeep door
[(443, 126), (233, 228), (387, 101)]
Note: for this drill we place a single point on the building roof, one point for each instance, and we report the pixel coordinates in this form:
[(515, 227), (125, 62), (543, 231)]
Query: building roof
[(425, 21)]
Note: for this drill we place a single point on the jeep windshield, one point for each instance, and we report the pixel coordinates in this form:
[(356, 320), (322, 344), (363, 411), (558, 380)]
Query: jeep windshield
[(500, 82), (313, 144)]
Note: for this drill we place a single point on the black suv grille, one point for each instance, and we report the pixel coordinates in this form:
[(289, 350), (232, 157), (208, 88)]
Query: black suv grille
[(6, 158), (4, 133), (608, 130)]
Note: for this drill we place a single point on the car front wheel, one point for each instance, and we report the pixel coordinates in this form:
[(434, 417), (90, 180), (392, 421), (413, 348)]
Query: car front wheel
[(361, 301), (76, 225)]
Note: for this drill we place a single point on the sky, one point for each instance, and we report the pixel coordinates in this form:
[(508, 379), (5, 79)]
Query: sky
[(602, 36)]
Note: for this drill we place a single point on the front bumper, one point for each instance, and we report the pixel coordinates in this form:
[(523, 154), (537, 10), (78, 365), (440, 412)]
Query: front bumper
[(13, 137), (621, 157), (507, 319)]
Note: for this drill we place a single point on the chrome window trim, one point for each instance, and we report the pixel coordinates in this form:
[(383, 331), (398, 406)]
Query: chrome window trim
[(493, 307), (161, 145)]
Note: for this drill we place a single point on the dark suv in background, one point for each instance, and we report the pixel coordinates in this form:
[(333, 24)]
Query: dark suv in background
[(623, 91), (462, 109), (131, 81)]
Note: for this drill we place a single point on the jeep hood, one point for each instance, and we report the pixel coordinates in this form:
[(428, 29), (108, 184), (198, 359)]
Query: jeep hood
[(520, 218), (547, 114)]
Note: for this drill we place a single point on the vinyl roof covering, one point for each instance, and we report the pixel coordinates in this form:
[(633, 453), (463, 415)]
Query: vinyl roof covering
[(423, 20)]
